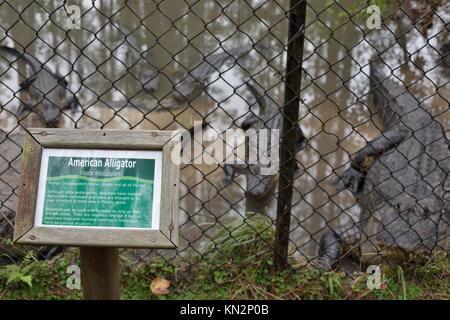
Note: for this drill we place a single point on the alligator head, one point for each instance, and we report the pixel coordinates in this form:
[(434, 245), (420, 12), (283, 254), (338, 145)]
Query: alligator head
[(43, 92)]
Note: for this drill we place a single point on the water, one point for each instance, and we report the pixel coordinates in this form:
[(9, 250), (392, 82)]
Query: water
[(170, 37)]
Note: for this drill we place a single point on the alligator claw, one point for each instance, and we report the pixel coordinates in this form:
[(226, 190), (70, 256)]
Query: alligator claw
[(352, 179), (322, 264)]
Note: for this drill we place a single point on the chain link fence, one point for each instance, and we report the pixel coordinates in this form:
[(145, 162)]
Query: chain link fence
[(362, 105)]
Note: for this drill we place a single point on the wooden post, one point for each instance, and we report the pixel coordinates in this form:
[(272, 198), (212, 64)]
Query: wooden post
[(289, 133), (100, 273)]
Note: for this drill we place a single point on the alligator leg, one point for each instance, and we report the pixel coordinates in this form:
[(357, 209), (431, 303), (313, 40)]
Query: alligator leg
[(353, 178), (333, 242)]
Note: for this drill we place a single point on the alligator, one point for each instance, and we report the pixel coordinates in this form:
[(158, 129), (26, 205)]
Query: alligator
[(401, 181), (195, 81), (269, 117), (10, 150), (43, 92)]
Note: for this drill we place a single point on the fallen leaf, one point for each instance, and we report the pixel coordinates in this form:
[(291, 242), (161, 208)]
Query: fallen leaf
[(160, 286)]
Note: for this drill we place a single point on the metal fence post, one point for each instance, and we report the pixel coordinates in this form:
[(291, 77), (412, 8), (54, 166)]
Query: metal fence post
[(289, 137)]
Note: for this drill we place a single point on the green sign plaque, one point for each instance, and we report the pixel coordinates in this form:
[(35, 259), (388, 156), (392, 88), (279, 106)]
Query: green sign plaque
[(99, 188), (99, 192)]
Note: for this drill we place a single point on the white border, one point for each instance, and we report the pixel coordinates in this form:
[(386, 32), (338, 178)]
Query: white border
[(118, 154)]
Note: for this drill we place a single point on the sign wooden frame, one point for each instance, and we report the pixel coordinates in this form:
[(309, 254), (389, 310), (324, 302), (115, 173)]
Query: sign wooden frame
[(25, 231)]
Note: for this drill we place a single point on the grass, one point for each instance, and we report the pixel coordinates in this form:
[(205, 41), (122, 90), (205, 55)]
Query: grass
[(247, 275)]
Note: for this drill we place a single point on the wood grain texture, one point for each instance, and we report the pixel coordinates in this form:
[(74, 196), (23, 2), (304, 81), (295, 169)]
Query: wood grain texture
[(29, 181), (100, 273), (101, 237), (109, 139), (165, 237), (170, 195)]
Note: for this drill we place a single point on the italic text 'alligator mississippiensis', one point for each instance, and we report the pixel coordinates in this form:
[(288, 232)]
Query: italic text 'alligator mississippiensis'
[(401, 181)]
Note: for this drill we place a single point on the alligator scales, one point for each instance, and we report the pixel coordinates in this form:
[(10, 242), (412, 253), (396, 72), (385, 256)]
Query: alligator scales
[(401, 181)]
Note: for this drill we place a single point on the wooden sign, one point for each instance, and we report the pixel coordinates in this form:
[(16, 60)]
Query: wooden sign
[(98, 188)]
